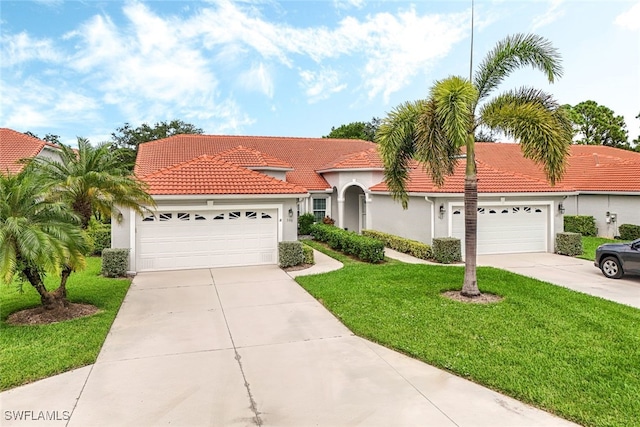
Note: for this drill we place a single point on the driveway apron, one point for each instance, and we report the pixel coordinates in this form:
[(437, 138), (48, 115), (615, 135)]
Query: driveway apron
[(248, 346)]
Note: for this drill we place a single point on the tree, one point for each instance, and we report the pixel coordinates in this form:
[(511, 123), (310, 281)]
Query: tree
[(126, 139), (433, 131), (53, 139), (595, 124), (37, 235), (356, 130), (91, 181), (637, 140)]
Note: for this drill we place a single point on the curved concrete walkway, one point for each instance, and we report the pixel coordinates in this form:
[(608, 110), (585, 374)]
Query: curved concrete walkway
[(246, 347)]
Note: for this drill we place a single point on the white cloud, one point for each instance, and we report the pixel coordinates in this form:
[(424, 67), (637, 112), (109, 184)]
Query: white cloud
[(346, 4), (320, 84), (257, 79), (551, 14), (19, 48), (630, 19)]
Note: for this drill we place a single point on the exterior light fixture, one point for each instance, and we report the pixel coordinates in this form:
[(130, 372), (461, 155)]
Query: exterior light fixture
[(561, 208), (442, 211), (290, 213)]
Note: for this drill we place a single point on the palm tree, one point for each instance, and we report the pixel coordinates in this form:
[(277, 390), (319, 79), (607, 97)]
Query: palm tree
[(433, 131), (37, 236), (91, 180)]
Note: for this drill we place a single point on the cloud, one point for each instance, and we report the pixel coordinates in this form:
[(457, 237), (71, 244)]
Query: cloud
[(20, 48), (319, 85), (630, 19), (257, 79), (551, 14), (346, 4)]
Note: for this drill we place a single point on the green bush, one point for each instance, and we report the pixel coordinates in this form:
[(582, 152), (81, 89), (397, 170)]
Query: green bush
[(629, 231), (305, 222), (100, 236), (115, 262), (290, 254), (446, 250), (582, 224), (364, 248), (569, 244), (307, 252), (400, 244)]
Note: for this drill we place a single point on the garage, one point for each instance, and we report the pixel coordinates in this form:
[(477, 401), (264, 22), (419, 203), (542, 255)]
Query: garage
[(180, 239), (506, 228)]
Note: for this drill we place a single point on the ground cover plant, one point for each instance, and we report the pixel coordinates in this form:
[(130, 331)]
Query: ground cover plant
[(571, 354), (32, 352)]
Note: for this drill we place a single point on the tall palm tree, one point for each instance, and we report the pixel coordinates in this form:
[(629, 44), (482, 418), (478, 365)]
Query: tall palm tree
[(433, 131), (37, 236), (91, 180)]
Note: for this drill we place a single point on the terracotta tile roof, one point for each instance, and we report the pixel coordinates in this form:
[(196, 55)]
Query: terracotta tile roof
[(209, 175), (15, 146), (252, 158), (368, 159), (305, 155)]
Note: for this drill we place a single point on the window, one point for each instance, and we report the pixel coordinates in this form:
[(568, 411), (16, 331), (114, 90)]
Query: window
[(250, 215), (183, 216), (319, 208), (199, 217), (480, 210), (457, 212), (538, 210), (166, 216), (527, 209), (234, 215), (515, 210), (219, 216), (265, 215), (149, 218)]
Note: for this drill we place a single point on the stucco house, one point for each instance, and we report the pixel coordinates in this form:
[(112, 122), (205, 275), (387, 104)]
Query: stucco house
[(229, 200), (15, 146)]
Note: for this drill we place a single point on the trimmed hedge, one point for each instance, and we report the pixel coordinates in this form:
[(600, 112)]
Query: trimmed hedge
[(364, 248), (307, 252), (629, 231), (400, 244), (115, 262), (290, 254), (446, 250), (305, 222), (582, 224), (100, 235), (569, 244)]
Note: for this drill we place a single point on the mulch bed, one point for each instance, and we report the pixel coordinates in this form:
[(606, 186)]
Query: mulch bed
[(482, 299), (42, 316)]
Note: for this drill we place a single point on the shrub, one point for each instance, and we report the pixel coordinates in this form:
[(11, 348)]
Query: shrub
[(400, 244), (582, 224), (290, 254), (307, 252), (305, 221), (100, 235), (629, 231), (115, 262), (364, 248), (569, 244), (446, 250)]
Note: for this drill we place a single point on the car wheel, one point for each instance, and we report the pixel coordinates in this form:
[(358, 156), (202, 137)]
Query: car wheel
[(611, 268)]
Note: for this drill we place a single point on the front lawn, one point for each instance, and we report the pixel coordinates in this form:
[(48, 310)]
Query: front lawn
[(569, 353), (29, 353), (590, 244)]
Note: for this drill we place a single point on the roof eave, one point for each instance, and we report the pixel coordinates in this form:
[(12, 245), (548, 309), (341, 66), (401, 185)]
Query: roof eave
[(350, 170), (162, 197)]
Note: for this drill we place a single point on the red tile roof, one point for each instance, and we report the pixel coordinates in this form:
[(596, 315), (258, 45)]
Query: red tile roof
[(15, 146), (252, 158), (306, 155), (368, 159), (210, 175)]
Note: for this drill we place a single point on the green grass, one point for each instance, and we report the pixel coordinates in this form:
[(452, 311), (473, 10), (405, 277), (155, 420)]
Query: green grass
[(29, 353), (571, 354), (590, 244)]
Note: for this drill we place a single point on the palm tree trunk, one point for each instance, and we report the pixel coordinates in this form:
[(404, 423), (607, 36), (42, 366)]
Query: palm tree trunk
[(61, 292), (470, 285), (48, 299)]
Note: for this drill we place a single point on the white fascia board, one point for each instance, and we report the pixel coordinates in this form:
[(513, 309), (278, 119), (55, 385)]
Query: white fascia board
[(164, 197), (351, 170), (609, 193), (453, 195), (328, 190), (269, 168)]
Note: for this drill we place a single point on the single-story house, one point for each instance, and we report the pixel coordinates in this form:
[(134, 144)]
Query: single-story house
[(229, 200), (15, 146)]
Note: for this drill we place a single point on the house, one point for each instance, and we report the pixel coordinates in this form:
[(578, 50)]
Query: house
[(229, 200), (15, 146)]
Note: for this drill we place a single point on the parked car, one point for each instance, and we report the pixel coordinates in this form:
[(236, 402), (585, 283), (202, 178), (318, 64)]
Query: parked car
[(618, 259)]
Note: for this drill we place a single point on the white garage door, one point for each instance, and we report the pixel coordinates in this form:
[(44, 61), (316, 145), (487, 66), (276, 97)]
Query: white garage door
[(506, 229), (237, 237)]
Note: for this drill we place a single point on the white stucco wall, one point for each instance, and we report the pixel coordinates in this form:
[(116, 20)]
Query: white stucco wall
[(387, 215), (625, 207)]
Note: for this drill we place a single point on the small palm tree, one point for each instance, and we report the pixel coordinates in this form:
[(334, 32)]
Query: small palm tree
[(433, 131), (37, 236)]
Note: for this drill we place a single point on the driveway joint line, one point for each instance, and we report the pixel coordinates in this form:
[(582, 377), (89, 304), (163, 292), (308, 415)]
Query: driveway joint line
[(252, 403), (75, 404)]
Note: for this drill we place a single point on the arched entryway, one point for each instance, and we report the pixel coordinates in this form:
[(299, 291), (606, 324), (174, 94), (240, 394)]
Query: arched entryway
[(355, 208)]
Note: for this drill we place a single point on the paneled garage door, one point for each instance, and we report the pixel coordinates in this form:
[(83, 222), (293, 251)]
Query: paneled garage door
[(176, 240), (507, 229)]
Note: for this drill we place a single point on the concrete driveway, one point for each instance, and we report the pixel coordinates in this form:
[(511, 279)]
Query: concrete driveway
[(573, 273), (246, 347)]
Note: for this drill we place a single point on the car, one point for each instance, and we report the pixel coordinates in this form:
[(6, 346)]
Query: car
[(618, 259)]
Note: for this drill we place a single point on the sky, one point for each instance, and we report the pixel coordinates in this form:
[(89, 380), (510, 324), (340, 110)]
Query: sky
[(287, 68)]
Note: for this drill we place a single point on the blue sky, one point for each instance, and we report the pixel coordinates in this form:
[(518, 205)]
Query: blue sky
[(290, 68)]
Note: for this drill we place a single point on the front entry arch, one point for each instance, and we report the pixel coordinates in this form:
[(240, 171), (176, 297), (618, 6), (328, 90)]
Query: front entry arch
[(354, 209)]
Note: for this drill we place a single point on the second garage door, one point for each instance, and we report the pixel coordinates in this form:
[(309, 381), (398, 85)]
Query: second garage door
[(179, 240), (507, 229)]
